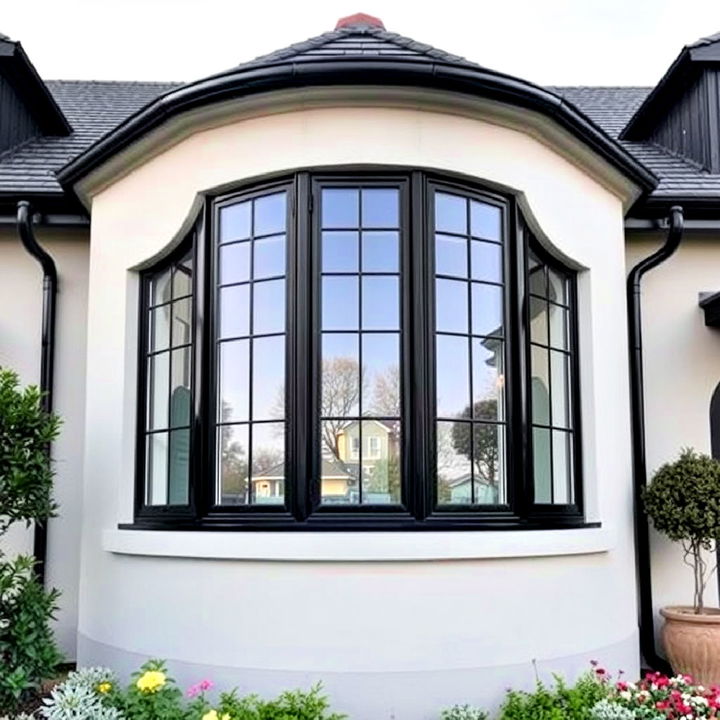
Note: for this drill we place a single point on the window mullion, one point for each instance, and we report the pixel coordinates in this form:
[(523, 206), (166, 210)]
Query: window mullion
[(302, 310), (419, 363)]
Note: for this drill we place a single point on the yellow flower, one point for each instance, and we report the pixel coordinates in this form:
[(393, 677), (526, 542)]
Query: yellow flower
[(104, 687), (151, 681), (212, 715)]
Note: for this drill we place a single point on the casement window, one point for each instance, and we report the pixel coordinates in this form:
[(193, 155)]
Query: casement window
[(386, 350)]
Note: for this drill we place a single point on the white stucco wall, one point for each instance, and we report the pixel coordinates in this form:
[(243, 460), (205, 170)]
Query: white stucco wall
[(682, 370), (390, 634), (20, 336)]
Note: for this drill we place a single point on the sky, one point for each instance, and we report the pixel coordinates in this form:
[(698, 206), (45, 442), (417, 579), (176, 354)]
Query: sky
[(549, 42)]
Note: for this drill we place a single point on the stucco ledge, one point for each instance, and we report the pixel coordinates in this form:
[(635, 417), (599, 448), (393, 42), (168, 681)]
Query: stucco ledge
[(358, 546)]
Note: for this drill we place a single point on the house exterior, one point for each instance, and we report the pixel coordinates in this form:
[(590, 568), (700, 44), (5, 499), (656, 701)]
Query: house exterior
[(341, 348)]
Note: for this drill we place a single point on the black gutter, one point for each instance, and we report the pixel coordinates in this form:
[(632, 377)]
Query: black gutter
[(637, 410), (338, 72), (47, 355)]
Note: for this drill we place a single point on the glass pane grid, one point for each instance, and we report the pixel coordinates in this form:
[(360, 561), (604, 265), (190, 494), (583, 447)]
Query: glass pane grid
[(469, 348), (552, 432), (169, 407), (360, 325), (251, 424)]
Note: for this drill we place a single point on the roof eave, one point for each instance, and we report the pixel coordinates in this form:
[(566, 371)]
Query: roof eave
[(325, 72)]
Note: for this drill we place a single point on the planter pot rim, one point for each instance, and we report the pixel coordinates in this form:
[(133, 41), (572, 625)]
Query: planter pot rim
[(686, 613)]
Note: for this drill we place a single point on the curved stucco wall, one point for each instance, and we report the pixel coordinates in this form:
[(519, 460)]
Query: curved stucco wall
[(399, 638)]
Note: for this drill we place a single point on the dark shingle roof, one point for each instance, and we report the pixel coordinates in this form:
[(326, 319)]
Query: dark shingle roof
[(611, 108), (93, 109), (96, 108)]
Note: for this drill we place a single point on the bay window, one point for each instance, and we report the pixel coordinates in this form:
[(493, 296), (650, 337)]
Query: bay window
[(376, 350)]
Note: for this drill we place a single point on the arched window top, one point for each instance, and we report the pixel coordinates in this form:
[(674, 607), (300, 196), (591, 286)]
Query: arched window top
[(390, 350)]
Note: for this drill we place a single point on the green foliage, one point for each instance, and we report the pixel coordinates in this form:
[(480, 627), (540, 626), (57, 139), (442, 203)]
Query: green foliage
[(94, 694), (27, 649), (151, 695), (683, 500), (25, 471), (561, 702), (463, 712)]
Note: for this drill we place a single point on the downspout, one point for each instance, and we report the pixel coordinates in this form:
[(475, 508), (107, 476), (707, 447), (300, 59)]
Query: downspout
[(47, 353), (637, 410)]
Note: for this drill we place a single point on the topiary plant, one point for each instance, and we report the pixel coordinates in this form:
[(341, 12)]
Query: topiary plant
[(27, 649), (683, 501)]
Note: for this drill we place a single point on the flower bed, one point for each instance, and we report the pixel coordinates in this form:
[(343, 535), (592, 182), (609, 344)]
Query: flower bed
[(96, 694)]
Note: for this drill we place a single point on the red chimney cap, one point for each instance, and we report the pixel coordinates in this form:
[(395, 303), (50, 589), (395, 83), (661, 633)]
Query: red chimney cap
[(359, 19)]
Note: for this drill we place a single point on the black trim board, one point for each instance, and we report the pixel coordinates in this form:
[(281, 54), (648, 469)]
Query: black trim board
[(244, 82)]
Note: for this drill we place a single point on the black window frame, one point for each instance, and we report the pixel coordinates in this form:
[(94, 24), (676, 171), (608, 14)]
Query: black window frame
[(302, 367)]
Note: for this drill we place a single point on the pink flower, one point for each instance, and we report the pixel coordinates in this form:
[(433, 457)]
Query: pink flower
[(201, 687)]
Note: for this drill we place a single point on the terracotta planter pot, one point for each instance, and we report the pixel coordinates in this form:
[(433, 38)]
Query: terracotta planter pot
[(692, 643)]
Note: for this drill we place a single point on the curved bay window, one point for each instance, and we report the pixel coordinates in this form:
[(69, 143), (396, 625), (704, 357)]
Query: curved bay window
[(370, 351)]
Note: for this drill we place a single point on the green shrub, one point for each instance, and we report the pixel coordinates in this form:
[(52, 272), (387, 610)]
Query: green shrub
[(27, 650), (94, 694), (561, 702), (463, 712), (683, 500)]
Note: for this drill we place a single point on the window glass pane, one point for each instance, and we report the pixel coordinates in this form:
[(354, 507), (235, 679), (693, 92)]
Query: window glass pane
[(340, 303), (486, 260), (182, 277), (179, 467), (160, 328), (541, 465), (182, 322), (339, 462), (340, 252), (485, 221), (558, 327), (454, 468), (380, 208), (450, 213), (268, 307), (451, 255), (234, 311), (381, 374), (451, 304), (270, 214), (557, 287), (340, 375), (269, 258), (538, 321), (160, 289), (380, 303), (540, 385), (234, 381), (562, 473), (233, 464), (159, 385), (340, 208), (487, 310), (268, 463), (537, 281), (560, 400), (234, 263), (488, 379), (380, 462), (180, 394), (452, 376), (268, 378), (157, 458), (487, 466), (235, 221), (380, 252)]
